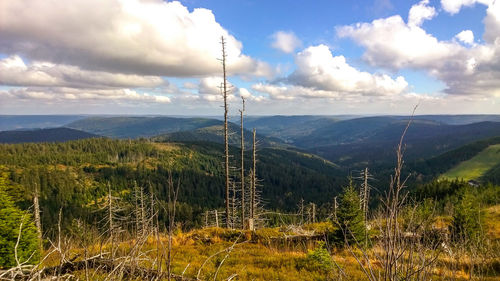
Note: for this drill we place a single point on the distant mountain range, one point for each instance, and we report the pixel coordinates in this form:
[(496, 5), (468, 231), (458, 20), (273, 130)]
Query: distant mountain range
[(135, 127), (44, 135), (350, 141), (15, 122)]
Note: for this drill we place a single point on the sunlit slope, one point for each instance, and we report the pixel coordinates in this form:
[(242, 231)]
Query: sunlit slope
[(477, 166)]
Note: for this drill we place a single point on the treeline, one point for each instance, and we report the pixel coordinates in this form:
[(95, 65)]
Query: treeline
[(446, 193)]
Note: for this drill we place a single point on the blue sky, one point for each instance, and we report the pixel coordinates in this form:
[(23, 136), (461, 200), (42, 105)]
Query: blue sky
[(285, 57)]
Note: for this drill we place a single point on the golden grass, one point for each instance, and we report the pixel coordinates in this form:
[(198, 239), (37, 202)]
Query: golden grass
[(254, 259), (492, 222)]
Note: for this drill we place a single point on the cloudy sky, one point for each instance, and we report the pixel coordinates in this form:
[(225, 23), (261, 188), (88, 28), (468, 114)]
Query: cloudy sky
[(284, 57)]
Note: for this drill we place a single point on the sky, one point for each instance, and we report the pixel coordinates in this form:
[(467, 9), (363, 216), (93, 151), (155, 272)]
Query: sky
[(297, 57)]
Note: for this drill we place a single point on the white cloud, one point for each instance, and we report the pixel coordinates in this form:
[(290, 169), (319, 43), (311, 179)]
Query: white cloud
[(321, 75), (62, 94), (420, 12), (472, 69), (249, 96), (454, 6), (285, 41), (318, 69), (466, 37), (14, 72), (126, 36), (392, 43)]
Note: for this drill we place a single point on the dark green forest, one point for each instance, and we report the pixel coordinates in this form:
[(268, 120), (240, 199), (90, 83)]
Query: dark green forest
[(74, 176)]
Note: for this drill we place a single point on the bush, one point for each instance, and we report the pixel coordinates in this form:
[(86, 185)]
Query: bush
[(319, 258), (10, 221)]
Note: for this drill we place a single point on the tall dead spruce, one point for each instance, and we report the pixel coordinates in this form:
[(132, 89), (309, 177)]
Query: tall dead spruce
[(226, 144), (242, 111), (251, 221)]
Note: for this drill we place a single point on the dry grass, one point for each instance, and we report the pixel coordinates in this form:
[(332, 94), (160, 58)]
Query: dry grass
[(255, 259)]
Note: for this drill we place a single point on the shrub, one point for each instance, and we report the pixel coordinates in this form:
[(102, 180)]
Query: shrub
[(319, 258)]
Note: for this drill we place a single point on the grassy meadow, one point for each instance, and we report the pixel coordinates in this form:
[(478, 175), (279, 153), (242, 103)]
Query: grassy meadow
[(475, 167)]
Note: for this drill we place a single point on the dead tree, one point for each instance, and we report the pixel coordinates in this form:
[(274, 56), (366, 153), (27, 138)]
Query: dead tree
[(137, 211), (38, 224), (226, 142), (242, 111), (253, 184), (234, 205), (173, 192), (110, 221), (366, 200), (301, 210)]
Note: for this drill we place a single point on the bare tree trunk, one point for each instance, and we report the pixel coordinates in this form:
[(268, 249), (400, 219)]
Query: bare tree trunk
[(137, 212), (143, 214), (233, 206), (252, 193), (206, 218), (226, 144), (301, 210), (242, 111), (172, 201), (38, 223), (335, 206), (366, 198), (313, 206), (110, 221), (216, 218)]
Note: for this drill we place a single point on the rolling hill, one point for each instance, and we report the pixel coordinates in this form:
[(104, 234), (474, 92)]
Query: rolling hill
[(361, 142), (215, 134), (16, 122), (135, 127), (477, 166), (44, 135), (469, 156)]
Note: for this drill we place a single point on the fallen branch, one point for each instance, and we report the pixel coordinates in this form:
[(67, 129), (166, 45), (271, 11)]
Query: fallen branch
[(106, 265)]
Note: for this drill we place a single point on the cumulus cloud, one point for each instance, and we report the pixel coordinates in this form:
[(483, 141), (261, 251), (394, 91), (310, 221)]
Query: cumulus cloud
[(209, 89), (454, 6), (63, 94), (420, 12), (466, 37), (14, 72), (317, 68), (151, 37), (466, 70), (319, 74), (391, 43), (285, 41)]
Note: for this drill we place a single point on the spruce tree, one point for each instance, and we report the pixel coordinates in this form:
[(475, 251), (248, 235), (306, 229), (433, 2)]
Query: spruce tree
[(349, 219), (10, 221), (466, 224)]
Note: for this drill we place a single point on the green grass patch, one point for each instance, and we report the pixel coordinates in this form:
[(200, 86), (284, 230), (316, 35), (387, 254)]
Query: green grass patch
[(475, 167)]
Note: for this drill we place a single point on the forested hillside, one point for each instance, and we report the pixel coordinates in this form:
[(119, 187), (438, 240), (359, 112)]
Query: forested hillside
[(134, 127), (74, 175), (216, 134), (44, 135)]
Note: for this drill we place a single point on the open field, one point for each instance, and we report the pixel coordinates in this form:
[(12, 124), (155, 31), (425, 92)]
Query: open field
[(476, 166)]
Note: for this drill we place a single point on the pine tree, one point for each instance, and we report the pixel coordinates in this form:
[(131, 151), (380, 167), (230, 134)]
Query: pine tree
[(349, 220), (12, 219), (466, 224)]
